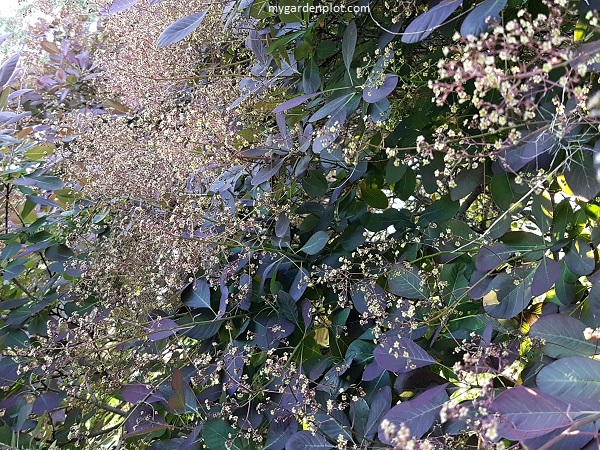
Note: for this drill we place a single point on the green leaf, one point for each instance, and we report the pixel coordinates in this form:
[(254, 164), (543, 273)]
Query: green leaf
[(289, 309), (530, 245), (373, 197), (580, 258), (397, 218), (218, 434), (562, 336), (315, 184), (311, 80), (405, 188), (504, 192), (394, 171), (292, 15), (542, 211), (14, 269), (440, 210), (507, 295), (316, 243), (563, 218), (407, 282), (349, 44)]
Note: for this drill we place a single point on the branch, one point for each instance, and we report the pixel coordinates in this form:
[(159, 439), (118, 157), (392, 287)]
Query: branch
[(573, 429)]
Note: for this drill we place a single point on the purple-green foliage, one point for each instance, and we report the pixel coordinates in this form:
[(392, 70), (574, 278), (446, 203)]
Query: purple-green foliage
[(353, 315)]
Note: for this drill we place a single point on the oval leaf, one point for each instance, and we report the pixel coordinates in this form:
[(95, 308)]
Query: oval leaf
[(480, 19), (580, 258), (418, 414), (307, 440), (427, 22), (401, 355), (316, 243), (8, 69), (121, 5), (292, 103), (349, 43), (373, 94), (507, 296), (574, 376), (546, 275), (563, 336), (180, 29), (407, 282), (528, 413), (137, 393), (199, 296)]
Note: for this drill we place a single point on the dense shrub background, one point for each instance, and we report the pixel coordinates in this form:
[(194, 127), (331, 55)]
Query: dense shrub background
[(229, 228)]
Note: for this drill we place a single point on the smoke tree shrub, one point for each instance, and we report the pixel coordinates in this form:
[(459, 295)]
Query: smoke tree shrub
[(310, 231)]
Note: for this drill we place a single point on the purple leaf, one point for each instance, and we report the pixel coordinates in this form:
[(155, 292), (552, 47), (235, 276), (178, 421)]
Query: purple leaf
[(199, 296), (372, 371), (6, 116), (280, 432), (382, 401), (563, 336), (8, 69), (581, 175), (161, 329), (180, 29), (427, 22), (282, 226), (546, 275), (332, 107), (418, 414), (568, 441), (136, 393), (507, 296), (183, 400), (143, 420), (121, 5), (482, 16), (267, 172), (4, 37), (373, 94), (292, 103), (42, 201), (401, 355), (528, 413), (234, 367), (580, 259), (306, 440), (490, 257), (573, 376), (306, 312), (380, 111), (46, 402), (530, 148)]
